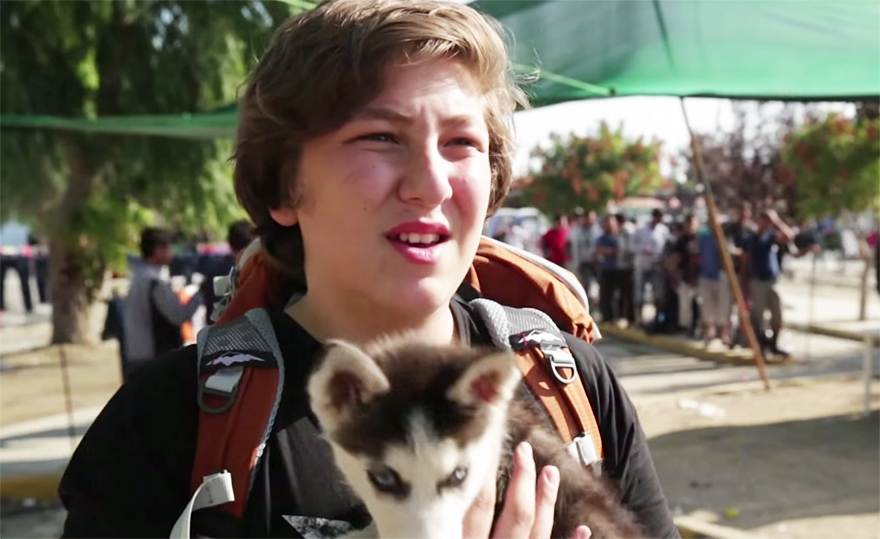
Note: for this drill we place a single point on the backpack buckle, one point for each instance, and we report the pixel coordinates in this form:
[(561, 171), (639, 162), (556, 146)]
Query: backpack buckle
[(223, 383), (560, 359), (583, 450), (553, 348)]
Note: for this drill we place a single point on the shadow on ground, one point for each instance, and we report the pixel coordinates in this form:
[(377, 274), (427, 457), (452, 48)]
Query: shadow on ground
[(773, 472)]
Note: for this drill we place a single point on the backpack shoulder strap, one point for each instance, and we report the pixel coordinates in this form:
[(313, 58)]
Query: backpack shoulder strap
[(241, 377), (549, 369)]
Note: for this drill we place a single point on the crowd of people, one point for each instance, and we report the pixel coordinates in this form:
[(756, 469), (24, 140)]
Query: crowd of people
[(676, 264)]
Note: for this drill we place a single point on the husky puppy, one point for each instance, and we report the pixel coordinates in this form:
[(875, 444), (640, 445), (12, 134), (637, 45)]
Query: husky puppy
[(415, 429)]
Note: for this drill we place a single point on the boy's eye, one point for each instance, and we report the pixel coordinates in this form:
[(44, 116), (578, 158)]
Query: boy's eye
[(464, 142), (380, 137)]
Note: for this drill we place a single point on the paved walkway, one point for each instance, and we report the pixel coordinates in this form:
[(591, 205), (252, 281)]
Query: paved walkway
[(34, 454)]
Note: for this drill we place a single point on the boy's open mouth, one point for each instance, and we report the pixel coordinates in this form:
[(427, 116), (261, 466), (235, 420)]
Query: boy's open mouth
[(419, 240)]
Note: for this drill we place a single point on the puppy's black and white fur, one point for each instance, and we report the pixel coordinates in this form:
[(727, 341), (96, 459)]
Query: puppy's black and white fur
[(415, 429)]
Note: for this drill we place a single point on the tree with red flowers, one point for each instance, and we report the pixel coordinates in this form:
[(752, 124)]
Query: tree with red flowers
[(589, 171), (835, 162)]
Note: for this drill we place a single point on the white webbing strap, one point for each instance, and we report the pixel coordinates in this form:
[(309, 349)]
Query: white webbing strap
[(216, 489)]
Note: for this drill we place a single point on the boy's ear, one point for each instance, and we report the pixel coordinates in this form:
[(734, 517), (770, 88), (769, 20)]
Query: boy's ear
[(345, 378), (284, 215), (491, 379)]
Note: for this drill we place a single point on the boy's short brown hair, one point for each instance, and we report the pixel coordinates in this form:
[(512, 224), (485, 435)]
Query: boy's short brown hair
[(324, 64)]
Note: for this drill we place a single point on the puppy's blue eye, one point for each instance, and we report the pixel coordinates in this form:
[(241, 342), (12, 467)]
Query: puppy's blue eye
[(385, 479), (458, 476), (455, 479)]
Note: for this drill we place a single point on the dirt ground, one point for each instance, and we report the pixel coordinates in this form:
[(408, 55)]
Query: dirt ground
[(31, 383), (796, 462), (800, 461)]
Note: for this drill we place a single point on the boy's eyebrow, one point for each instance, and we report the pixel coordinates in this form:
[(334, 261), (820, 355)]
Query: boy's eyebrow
[(384, 113)]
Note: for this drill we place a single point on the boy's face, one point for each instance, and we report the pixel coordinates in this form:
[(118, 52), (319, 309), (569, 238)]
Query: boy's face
[(393, 202)]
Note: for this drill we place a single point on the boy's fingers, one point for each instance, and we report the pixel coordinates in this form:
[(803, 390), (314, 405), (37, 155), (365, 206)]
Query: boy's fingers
[(548, 488), (518, 516)]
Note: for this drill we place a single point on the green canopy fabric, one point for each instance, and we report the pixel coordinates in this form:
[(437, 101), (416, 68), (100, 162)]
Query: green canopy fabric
[(206, 125), (767, 49)]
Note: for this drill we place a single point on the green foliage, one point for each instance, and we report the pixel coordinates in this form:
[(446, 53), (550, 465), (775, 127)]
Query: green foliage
[(587, 172), (105, 58), (835, 163)]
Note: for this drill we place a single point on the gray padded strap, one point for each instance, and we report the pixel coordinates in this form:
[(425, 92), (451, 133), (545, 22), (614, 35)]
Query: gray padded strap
[(251, 332), (504, 322)]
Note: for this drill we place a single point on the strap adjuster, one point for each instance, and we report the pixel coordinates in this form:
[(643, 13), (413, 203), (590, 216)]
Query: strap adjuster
[(553, 348), (223, 383), (560, 359)]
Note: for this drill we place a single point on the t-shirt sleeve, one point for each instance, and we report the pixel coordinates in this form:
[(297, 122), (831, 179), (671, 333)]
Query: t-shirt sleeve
[(628, 460), (129, 476)]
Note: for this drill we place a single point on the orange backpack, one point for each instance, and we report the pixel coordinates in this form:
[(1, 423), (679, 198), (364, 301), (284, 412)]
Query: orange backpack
[(524, 300)]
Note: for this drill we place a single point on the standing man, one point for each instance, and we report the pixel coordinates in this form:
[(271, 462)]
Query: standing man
[(714, 289), (555, 242), (648, 245), (739, 234), (153, 312), (625, 269), (762, 250), (686, 276), (606, 251)]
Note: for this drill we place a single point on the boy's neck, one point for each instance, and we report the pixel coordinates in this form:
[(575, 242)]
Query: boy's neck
[(361, 323)]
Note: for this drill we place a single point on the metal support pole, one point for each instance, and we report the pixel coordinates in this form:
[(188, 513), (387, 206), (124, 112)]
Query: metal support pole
[(868, 353), (68, 398), (807, 334), (745, 320)]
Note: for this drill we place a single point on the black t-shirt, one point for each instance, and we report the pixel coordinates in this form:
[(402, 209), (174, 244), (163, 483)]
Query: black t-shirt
[(740, 236), (130, 475), (687, 249)]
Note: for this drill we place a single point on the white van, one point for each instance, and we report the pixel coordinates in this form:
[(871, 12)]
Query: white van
[(519, 227)]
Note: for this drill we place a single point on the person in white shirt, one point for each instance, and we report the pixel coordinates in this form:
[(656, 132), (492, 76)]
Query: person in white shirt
[(648, 246)]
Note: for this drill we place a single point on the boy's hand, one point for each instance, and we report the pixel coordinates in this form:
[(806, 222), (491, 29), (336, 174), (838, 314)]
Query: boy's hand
[(527, 514)]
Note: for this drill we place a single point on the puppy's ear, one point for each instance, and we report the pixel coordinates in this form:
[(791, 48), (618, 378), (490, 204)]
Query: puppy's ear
[(491, 379), (345, 378)]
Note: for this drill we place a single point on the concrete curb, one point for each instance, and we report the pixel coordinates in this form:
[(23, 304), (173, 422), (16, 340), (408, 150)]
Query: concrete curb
[(32, 468), (692, 528), (678, 346), (19, 487), (834, 332)]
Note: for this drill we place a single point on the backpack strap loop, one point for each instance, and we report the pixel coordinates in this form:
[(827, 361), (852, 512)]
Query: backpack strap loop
[(224, 383)]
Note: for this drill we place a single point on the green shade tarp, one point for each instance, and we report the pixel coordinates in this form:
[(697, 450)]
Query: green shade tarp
[(762, 49), (766, 49), (206, 125)]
